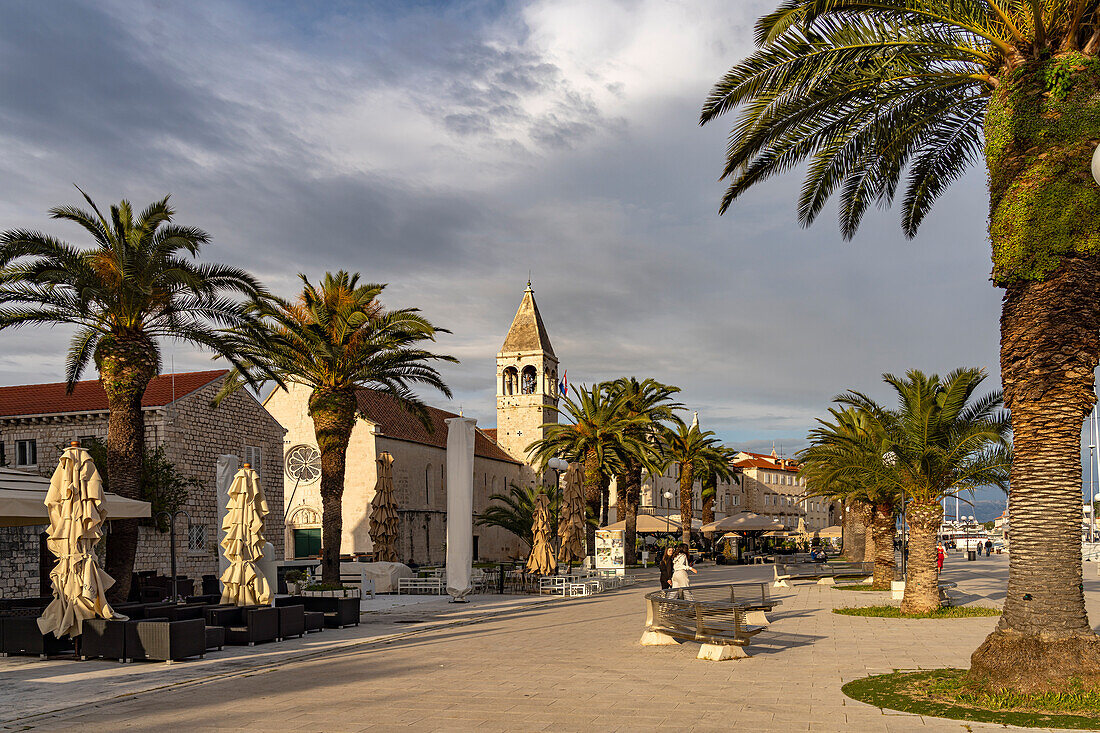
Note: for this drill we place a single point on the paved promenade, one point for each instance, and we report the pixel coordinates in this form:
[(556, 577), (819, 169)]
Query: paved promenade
[(563, 665)]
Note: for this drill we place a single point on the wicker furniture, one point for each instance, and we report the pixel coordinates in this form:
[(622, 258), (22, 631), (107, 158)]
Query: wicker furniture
[(104, 638), (165, 640)]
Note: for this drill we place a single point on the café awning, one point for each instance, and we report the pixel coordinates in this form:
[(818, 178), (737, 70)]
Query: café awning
[(23, 497)]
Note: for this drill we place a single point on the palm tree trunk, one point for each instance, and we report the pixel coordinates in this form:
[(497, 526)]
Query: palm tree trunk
[(865, 519), (126, 366), (687, 482), (592, 494), (922, 593), (1049, 349), (629, 498), (882, 532), (333, 414)]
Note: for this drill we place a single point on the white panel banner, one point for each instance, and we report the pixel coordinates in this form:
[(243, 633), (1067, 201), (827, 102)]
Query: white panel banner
[(460, 505)]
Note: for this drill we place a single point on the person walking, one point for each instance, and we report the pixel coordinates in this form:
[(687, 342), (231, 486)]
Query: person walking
[(681, 565), (988, 548), (665, 563), (940, 555)]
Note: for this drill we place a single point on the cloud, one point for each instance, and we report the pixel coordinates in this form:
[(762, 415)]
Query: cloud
[(452, 152)]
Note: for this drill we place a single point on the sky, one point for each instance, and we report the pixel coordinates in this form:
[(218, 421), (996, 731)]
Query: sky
[(454, 150)]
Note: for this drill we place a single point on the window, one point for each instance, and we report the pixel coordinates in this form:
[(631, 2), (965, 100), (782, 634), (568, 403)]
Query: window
[(26, 453), (428, 485), (3, 458), (87, 441), (196, 538), (511, 381), (529, 381), (307, 543), (254, 456)]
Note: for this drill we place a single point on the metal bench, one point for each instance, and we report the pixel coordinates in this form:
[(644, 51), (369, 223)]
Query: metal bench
[(704, 614), (409, 586), (824, 573), (753, 598)]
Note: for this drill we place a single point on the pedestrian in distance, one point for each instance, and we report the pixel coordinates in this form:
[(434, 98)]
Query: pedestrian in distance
[(681, 565), (988, 548), (940, 555), (665, 563)]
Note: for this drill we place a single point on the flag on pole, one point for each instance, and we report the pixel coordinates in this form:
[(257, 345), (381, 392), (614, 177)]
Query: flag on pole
[(563, 386)]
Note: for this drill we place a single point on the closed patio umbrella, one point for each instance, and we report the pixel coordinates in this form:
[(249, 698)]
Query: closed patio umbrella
[(244, 540), (650, 524), (75, 506), (383, 513), (542, 560), (571, 521)]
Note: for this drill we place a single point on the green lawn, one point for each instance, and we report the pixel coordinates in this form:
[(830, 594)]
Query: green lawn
[(947, 693), (895, 612)]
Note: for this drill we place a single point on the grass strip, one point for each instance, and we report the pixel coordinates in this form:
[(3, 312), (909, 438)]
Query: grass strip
[(948, 693), (895, 612)]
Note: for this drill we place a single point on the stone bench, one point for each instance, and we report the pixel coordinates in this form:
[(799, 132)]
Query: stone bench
[(705, 614)]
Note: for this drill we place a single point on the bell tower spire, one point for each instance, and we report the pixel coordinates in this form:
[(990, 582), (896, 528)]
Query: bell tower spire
[(527, 381)]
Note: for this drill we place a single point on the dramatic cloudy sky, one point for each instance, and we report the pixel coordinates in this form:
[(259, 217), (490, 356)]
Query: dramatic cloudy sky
[(450, 149)]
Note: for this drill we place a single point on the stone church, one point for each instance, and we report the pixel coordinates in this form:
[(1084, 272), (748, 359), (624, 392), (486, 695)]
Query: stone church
[(527, 396)]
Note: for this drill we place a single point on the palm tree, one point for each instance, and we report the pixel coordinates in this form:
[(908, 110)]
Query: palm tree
[(600, 434), (336, 339), (516, 511), (865, 91), (688, 447), (652, 401), (941, 440), (136, 284), (844, 463)]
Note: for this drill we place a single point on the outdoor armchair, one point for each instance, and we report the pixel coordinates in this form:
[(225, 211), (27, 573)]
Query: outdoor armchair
[(19, 634), (253, 625), (292, 621), (164, 640), (104, 638)]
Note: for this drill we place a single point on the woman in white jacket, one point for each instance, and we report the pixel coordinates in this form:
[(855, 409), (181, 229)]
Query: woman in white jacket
[(681, 567)]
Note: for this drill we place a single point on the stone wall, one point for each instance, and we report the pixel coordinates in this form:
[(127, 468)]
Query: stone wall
[(19, 562), (194, 435)]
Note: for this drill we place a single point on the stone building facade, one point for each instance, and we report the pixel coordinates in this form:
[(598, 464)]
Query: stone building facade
[(38, 421), (773, 486), (419, 477)]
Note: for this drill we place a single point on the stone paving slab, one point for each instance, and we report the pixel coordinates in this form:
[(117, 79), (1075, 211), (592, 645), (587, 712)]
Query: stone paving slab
[(577, 665)]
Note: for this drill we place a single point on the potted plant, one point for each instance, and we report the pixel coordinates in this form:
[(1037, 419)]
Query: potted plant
[(294, 580), (330, 590)]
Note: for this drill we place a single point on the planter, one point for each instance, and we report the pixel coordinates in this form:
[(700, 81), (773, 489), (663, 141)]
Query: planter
[(897, 589), (342, 593)]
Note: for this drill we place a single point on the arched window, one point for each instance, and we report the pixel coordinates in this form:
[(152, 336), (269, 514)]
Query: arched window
[(554, 383), (530, 380), (428, 485), (511, 381)]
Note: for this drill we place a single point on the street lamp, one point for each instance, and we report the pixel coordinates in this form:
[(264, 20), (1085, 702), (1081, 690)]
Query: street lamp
[(1095, 498), (668, 510)]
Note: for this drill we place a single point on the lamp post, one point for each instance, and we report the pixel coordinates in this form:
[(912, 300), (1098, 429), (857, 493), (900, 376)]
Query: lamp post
[(172, 545), (1092, 504), (668, 510), (890, 459)]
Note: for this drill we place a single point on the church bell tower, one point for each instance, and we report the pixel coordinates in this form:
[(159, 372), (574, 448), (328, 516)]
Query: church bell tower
[(527, 381)]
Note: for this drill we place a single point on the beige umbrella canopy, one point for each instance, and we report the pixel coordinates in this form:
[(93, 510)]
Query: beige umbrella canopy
[(744, 522), (833, 532), (571, 519), (243, 584), (75, 506), (542, 560), (650, 524), (383, 513)]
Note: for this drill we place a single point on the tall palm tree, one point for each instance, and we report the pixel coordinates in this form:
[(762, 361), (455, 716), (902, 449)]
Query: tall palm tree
[(600, 434), (652, 401), (844, 462), (688, 447), (865, 91), (337, 338), (940, 440), (138, 283)]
